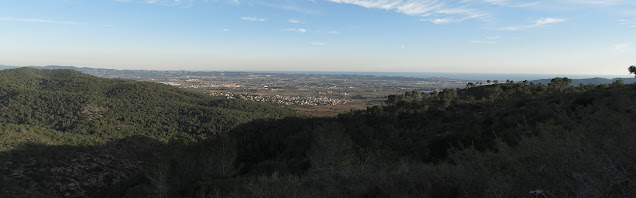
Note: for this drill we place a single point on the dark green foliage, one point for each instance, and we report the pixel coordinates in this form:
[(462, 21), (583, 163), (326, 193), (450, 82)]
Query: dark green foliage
[(559, 84), (36, 170), (500, 140)]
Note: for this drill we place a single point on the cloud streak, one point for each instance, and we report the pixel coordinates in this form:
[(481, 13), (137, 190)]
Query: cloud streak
[(597, 2), (185, 3), (483, 42), (510, 3), (286, 5), (538, 23), (435, 11), (318, 43), (299, 30), (628, 22), (254, 19), (622, 47), (37, 20)]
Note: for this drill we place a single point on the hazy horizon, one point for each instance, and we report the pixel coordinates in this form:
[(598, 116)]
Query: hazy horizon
[(451, 75), (477, 36)]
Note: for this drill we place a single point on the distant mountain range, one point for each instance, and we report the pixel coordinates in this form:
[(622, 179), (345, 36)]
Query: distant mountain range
[(139, 74), (6, 67), (113, 73)]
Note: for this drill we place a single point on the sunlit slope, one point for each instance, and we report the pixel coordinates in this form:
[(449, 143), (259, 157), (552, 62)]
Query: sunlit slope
[(72, 102)]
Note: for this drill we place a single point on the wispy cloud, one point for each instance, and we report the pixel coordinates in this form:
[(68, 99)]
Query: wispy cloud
[(538, 23), (489, 40), (622, 47), (37, 20), (544, 21), (483, 42), (288, 5), (318, 43), (184, 3), (294, 21), (435, 11), (299, 30), (597, 2), (493, 37), (225, 30), (511, 3), (254, 19), (333, 32), (458, 15), (628, 22)]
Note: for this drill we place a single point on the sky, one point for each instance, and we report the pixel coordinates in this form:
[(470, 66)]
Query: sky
[(465, 36)]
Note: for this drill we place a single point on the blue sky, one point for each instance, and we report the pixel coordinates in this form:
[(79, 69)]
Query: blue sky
[(483, 36)]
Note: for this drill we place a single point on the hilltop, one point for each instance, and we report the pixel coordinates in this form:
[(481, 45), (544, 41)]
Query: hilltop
[(594, 81)]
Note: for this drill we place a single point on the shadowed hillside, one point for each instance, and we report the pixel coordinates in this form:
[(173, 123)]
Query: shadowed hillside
[(504, 140), (37, 170)]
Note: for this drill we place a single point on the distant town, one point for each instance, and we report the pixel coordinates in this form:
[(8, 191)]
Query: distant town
[(317, 93)]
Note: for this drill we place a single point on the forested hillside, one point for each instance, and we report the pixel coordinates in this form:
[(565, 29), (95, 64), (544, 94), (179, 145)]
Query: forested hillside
[(498, 140), (75, 104), (87, 117)]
